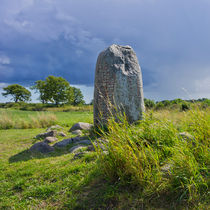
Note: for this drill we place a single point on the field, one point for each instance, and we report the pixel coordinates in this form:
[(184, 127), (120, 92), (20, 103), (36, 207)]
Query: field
[(97, 181)]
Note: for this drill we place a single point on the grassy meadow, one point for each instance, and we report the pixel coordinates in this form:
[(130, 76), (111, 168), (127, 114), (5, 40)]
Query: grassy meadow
[(13, 118), (149, 165)]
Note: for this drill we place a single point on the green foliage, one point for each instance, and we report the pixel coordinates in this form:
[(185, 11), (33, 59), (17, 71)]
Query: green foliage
[(58, 90), (40, 86), (159, 105), (77, 97), (153, 156), (166, 103), (149, 103), (185, 106), (205, 103), (18, 92), (32, 181), (45, 107), (177, 101), (91, 102), (30, 119), (53, 89), (148, 165)]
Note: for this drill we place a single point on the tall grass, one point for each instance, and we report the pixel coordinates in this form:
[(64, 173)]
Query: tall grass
[(155, 157), (41, 120)]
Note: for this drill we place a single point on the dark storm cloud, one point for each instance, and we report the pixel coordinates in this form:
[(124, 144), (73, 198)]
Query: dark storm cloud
[(63, 38)]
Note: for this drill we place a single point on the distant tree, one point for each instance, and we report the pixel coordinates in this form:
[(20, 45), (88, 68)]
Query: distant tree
[(177, 101), (166, 102), (185, 106), (40, 86), (159, 105), (78, 98), (18, 92), (92, 101), (53, 89), (149, 103), (58, 90)]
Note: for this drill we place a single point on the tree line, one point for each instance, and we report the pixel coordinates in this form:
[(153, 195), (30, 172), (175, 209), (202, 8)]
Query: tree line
[(184, 104), (53, 89)]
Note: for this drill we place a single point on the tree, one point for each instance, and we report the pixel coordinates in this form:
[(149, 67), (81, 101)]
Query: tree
[(91, 102), (149, 103), (18, 92), (40, 86), (77, 97), (57, 90)]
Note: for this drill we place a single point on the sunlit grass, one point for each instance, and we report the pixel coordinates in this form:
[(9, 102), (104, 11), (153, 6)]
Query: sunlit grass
[(10, 118), (138, 154), (148, 164)]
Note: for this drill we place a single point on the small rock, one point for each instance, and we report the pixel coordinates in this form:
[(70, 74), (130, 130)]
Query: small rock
[(77, 132), (98, 143), (81, 126), (62, 134), (91, 148), (105, 152), (76, 139), (41, 147), (79, 155), (44, 135), (63, 143), (76, 148), (101, 145), (84, 142), (187, 136), (79, 138), (54, 127), (166, 168), (50, 139)]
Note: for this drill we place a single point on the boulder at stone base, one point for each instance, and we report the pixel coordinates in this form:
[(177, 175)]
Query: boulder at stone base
[(81, 126), (41, 147), (44, 135), (50, 139)]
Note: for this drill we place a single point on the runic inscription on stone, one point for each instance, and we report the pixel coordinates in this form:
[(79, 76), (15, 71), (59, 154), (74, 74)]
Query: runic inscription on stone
[(118, 85)]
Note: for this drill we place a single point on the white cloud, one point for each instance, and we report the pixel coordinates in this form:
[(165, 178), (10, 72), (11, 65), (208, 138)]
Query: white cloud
[(4, 60), (2, 85), (171, 39), (203, 85)]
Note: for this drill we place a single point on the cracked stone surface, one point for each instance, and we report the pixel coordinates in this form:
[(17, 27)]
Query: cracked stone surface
[(118, 85)]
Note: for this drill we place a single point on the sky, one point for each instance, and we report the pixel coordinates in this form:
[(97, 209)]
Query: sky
[(171, 38)]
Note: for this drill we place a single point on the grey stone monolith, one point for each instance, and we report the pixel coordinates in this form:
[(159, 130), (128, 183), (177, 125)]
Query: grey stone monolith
[(118, 85)]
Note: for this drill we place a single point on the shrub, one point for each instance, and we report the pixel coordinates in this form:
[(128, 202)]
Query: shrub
[(159, 105), (185, 106), (149, 103)]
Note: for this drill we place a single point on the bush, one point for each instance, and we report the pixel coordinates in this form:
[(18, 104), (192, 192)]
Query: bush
[(185, 106), (159, 105), (149, 103)]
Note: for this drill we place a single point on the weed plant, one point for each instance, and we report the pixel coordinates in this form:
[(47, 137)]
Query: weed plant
[(153, 156)]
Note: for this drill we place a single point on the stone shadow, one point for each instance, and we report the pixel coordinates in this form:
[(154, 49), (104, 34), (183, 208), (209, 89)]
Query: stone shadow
[(26, 155), (103, 194)]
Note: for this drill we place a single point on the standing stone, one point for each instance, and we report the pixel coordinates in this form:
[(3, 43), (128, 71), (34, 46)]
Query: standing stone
[(118, 85)]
